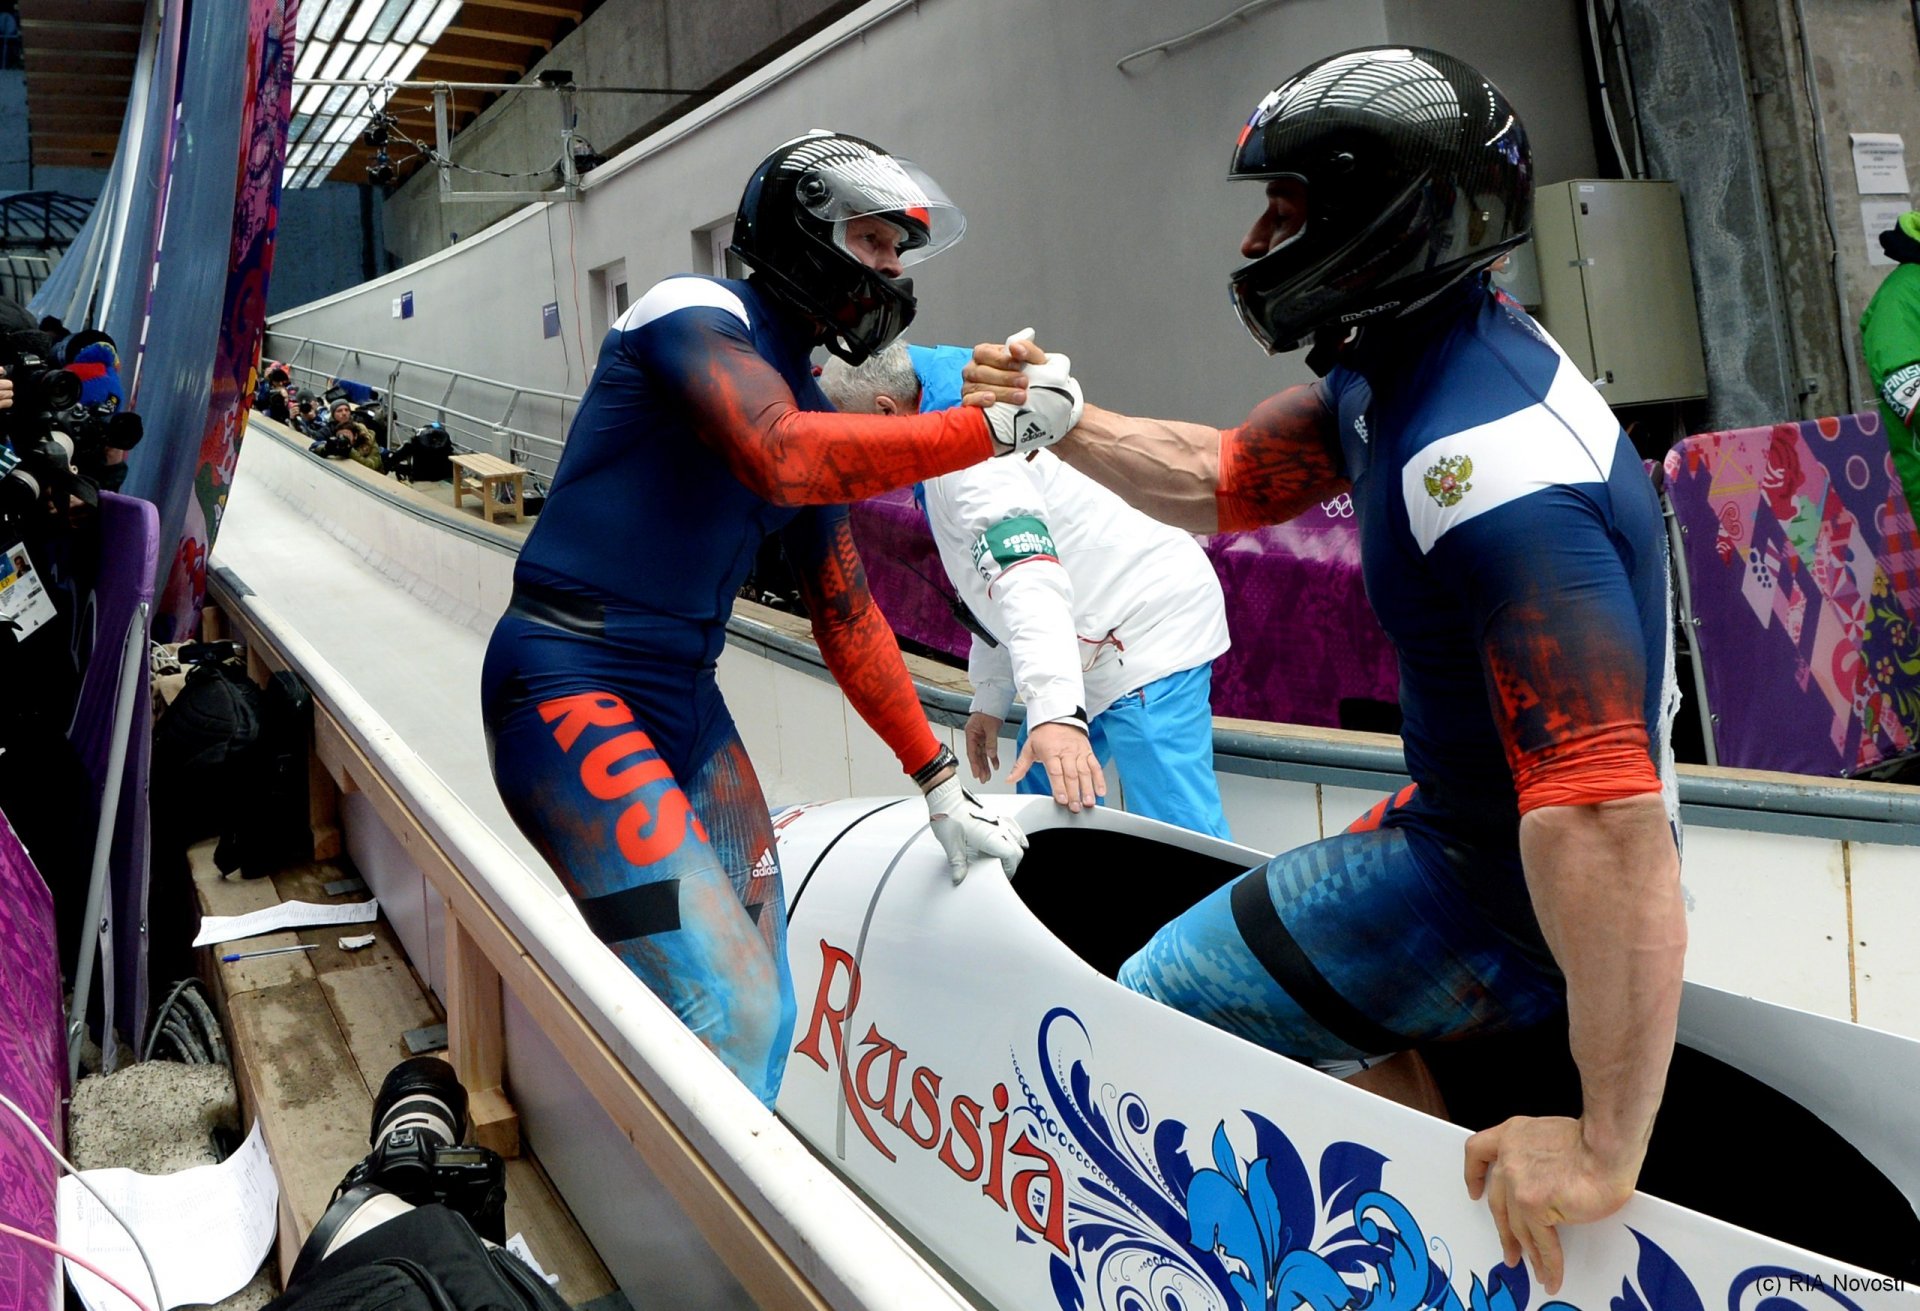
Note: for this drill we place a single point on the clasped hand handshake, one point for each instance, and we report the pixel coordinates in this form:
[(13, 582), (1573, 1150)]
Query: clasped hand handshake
[(1030, 397)]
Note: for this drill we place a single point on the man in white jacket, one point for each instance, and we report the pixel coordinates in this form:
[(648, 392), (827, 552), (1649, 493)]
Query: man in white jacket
[(1103, 621)]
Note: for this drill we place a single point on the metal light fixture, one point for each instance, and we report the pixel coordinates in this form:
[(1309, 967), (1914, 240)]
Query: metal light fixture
[(374, 40)]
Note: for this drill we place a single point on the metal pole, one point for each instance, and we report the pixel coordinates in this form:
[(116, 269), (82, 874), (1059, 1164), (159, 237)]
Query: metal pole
[(440, 141), (1683, 593), (93, 924), (504, 86), (569, 175)]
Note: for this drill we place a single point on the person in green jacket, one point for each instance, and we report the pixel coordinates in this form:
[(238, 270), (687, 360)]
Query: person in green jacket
[(1890, 334)]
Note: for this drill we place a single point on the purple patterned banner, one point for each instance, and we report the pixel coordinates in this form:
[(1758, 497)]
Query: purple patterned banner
[(243, 315), (33, 1072), (1805, 573), (1304, 636)]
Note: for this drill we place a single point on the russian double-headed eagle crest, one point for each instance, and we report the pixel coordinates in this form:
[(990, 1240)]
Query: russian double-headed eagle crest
[(1447, 480)]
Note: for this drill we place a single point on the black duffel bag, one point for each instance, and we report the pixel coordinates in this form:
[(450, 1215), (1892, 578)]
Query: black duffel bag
[(428, 1259)]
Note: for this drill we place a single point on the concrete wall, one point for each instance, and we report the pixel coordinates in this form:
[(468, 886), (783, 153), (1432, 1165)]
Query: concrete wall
[(1697, 125), (328, 240), (1754, 119), (14, 143), (1865, 62), (1098, 208), (666, 43)]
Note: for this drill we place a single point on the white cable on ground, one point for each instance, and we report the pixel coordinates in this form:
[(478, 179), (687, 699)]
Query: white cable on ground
[(153, 1280)]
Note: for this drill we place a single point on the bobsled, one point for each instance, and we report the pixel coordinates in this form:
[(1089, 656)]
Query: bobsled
[(963, 1056)]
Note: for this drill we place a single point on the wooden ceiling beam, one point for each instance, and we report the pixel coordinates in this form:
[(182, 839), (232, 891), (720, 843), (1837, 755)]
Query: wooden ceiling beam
[(42, 125), (127, 57), (501, 37), (92, 143), (75, 36), (98, 85), (438, 56), (571, 12), (32, 29), (120, 11)]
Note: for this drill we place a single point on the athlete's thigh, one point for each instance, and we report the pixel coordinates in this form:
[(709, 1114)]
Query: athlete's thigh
[(725, 792), (584, 779), (1349, 947)]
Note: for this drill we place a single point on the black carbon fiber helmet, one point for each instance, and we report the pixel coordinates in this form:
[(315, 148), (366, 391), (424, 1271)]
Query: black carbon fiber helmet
[(1416, 172), (791, 231)]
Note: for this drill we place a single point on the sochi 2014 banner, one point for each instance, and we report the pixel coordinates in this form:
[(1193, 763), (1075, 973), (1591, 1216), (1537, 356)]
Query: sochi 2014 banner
[(33, 1070), (243, 312)]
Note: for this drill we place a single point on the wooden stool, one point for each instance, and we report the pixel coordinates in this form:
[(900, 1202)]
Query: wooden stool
[(479, 475)]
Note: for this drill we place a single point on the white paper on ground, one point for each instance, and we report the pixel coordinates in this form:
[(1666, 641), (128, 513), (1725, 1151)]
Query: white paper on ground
[(206, 1229), (356, 942), (287, 915), (518, 1246)]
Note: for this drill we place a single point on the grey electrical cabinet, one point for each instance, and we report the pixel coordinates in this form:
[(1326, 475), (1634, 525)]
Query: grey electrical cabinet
[(1616, 287)]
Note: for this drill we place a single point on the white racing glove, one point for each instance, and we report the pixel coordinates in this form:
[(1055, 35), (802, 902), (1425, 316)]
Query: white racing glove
[(968, 833), (1053, 407)]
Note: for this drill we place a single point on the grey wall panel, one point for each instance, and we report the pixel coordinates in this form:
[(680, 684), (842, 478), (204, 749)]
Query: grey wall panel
[(1698, 128), (1098, 207), (1532, 51)]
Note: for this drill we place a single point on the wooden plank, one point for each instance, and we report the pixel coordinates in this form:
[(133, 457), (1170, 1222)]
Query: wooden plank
[(569, 12), (503, 38), (373, 1008), (438, 57), (536, 1210), (323, 810), (304, 1087), (476, 1041)]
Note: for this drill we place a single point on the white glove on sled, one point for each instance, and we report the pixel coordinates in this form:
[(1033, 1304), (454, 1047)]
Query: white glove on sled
[(1052, 409), (968, 833)]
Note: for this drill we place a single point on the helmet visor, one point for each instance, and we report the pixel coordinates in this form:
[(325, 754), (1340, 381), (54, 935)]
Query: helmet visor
[(855, 182)]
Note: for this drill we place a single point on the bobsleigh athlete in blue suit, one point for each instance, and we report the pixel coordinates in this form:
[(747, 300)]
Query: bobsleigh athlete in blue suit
[(1513, 550), (703, 433)]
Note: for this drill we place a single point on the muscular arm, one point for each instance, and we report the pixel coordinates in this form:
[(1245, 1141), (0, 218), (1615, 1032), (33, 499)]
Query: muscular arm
[(744, 410), (1566, 667), (1281, 461), (858, 646), (1605, 882)]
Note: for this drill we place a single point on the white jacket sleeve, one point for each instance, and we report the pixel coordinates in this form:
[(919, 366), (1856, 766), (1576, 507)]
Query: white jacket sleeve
[(990, 670), (994, 515)]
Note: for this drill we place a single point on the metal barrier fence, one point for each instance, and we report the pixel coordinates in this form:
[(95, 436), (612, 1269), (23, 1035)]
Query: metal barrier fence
[(524, 425)]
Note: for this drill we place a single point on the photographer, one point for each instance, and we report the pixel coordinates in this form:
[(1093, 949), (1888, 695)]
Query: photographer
[(53, 449), (101, 414), (418, 1222), (272, 397), (306, 416), (349, 439)]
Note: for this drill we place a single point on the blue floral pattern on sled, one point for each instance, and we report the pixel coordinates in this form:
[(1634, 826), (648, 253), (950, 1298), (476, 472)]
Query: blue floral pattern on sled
[(1150, 1231)]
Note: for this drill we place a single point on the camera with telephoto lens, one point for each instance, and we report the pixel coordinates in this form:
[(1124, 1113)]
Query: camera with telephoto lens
[(56, 446), (36, 464), (419, 1118), (335, 444)]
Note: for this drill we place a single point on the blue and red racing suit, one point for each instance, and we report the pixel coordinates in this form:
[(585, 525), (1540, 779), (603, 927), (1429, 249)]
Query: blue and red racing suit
[(702, 433), (1514, 551)]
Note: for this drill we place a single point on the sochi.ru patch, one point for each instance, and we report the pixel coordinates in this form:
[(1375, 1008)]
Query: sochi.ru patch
[(1901, 391), (1447, 480)]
